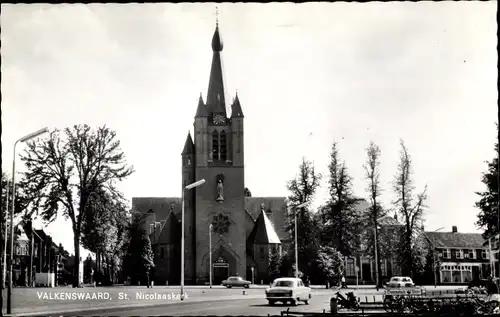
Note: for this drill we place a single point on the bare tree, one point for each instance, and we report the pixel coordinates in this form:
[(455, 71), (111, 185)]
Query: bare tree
[(64, 171), (372, 175), (411, 206)]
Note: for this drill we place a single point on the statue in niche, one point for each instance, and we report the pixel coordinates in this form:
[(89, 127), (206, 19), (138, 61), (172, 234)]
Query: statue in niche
[(220, 188)]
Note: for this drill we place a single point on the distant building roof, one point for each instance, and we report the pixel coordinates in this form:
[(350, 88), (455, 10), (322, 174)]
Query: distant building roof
[(455, 240), (388, 221), (161, 206)]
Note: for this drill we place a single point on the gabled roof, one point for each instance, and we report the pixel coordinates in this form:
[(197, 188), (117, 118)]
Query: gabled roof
[(455, 240), (263, 232), (171, 231), (277, 207)]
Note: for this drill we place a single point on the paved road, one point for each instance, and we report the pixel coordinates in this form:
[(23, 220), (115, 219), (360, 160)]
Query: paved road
[(251, 305), (27, 301)]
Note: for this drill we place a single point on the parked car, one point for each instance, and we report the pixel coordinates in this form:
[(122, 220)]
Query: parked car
[(236, 281), (400, 281), (288, 290)]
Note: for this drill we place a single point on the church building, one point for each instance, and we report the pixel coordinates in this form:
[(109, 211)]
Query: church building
[(244, 230)]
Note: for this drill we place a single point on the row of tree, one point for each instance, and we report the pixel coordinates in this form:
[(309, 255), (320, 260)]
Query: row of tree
[(73, 173), (340, 228)]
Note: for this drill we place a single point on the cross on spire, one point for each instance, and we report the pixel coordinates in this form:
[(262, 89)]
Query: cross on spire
[(217, 16)]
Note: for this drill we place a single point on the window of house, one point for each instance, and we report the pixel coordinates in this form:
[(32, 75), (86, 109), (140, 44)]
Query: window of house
[(383, 268), (485, 255), (470, 254), (446, 254), (459, 254), (262, 254), (350, 269), (162, 253)]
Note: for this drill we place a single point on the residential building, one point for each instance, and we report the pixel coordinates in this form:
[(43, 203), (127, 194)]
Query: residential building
[(361, 268), (245, 229), (458, 257)]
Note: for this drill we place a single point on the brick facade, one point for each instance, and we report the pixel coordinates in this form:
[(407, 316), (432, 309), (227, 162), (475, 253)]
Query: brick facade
[(215, 154)]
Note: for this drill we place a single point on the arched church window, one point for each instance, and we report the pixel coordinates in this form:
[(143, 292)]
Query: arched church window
[(215, 146), (223, 146)]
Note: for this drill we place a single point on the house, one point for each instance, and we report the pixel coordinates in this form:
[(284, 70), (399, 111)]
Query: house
[(361, 268), (458, 257)]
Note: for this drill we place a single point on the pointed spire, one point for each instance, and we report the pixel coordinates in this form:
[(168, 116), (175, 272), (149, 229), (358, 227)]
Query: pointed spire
[(216, 97), (236, 111), (217, 44), (189, 145), (202, 109)]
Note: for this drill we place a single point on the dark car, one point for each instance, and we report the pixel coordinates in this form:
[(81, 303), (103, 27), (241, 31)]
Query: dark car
[(236, 281)]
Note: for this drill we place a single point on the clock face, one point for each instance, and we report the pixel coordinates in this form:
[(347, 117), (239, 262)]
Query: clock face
[(219, 119)]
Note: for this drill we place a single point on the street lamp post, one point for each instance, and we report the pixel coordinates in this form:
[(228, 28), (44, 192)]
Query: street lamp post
[(253, 279), (188, 187), (296, 240), (11, 257), (4, 271), (210, 251)]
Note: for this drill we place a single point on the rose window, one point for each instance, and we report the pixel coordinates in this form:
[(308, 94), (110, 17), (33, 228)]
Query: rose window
[(221, 223)]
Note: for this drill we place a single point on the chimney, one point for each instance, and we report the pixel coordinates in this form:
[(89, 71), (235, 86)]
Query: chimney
[(454, 229)]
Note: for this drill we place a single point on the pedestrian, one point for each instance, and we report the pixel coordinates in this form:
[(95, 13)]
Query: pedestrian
[(344, 285)]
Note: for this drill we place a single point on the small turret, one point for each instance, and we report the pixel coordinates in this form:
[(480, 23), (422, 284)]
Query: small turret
[(236, 111), (202, 109)]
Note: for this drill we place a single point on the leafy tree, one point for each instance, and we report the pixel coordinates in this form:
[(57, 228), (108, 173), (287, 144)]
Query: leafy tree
[(411, 206), (488, 202), (139, 258), (274, 265), (302, 190), (104, 229), (330, 262), (340, 217), (248, 193), (372, 175), (64, 171)]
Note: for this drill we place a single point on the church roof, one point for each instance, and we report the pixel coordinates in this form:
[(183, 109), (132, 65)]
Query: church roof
[(263, 232), (171, 231), (278, 210), (236, 111), (189, 145), (216, 95), (161, 206)]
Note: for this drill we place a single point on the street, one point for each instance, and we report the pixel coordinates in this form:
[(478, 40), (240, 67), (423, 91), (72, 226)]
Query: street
[(161, 300), (234, 307)]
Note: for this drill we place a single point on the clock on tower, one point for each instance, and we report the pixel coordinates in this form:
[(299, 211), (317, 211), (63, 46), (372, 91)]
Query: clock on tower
[(219, 118)]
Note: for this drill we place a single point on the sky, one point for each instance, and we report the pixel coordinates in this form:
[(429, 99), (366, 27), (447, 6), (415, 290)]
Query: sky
[(306, 75)]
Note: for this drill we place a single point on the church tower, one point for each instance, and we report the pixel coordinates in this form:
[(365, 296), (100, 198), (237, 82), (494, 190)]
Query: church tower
[(218, 157)]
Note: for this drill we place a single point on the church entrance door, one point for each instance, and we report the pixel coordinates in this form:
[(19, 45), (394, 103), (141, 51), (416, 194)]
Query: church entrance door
[(221, 270)]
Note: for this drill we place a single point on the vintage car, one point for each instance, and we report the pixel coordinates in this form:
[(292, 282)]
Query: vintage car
[(400, 281), (288, 290), (236, 281)]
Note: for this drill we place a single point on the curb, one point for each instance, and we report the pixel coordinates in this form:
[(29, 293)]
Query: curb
[(131, 306)]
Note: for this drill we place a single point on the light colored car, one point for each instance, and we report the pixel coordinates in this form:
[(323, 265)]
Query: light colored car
[(400, 281), (236, 281), (288, 290)]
